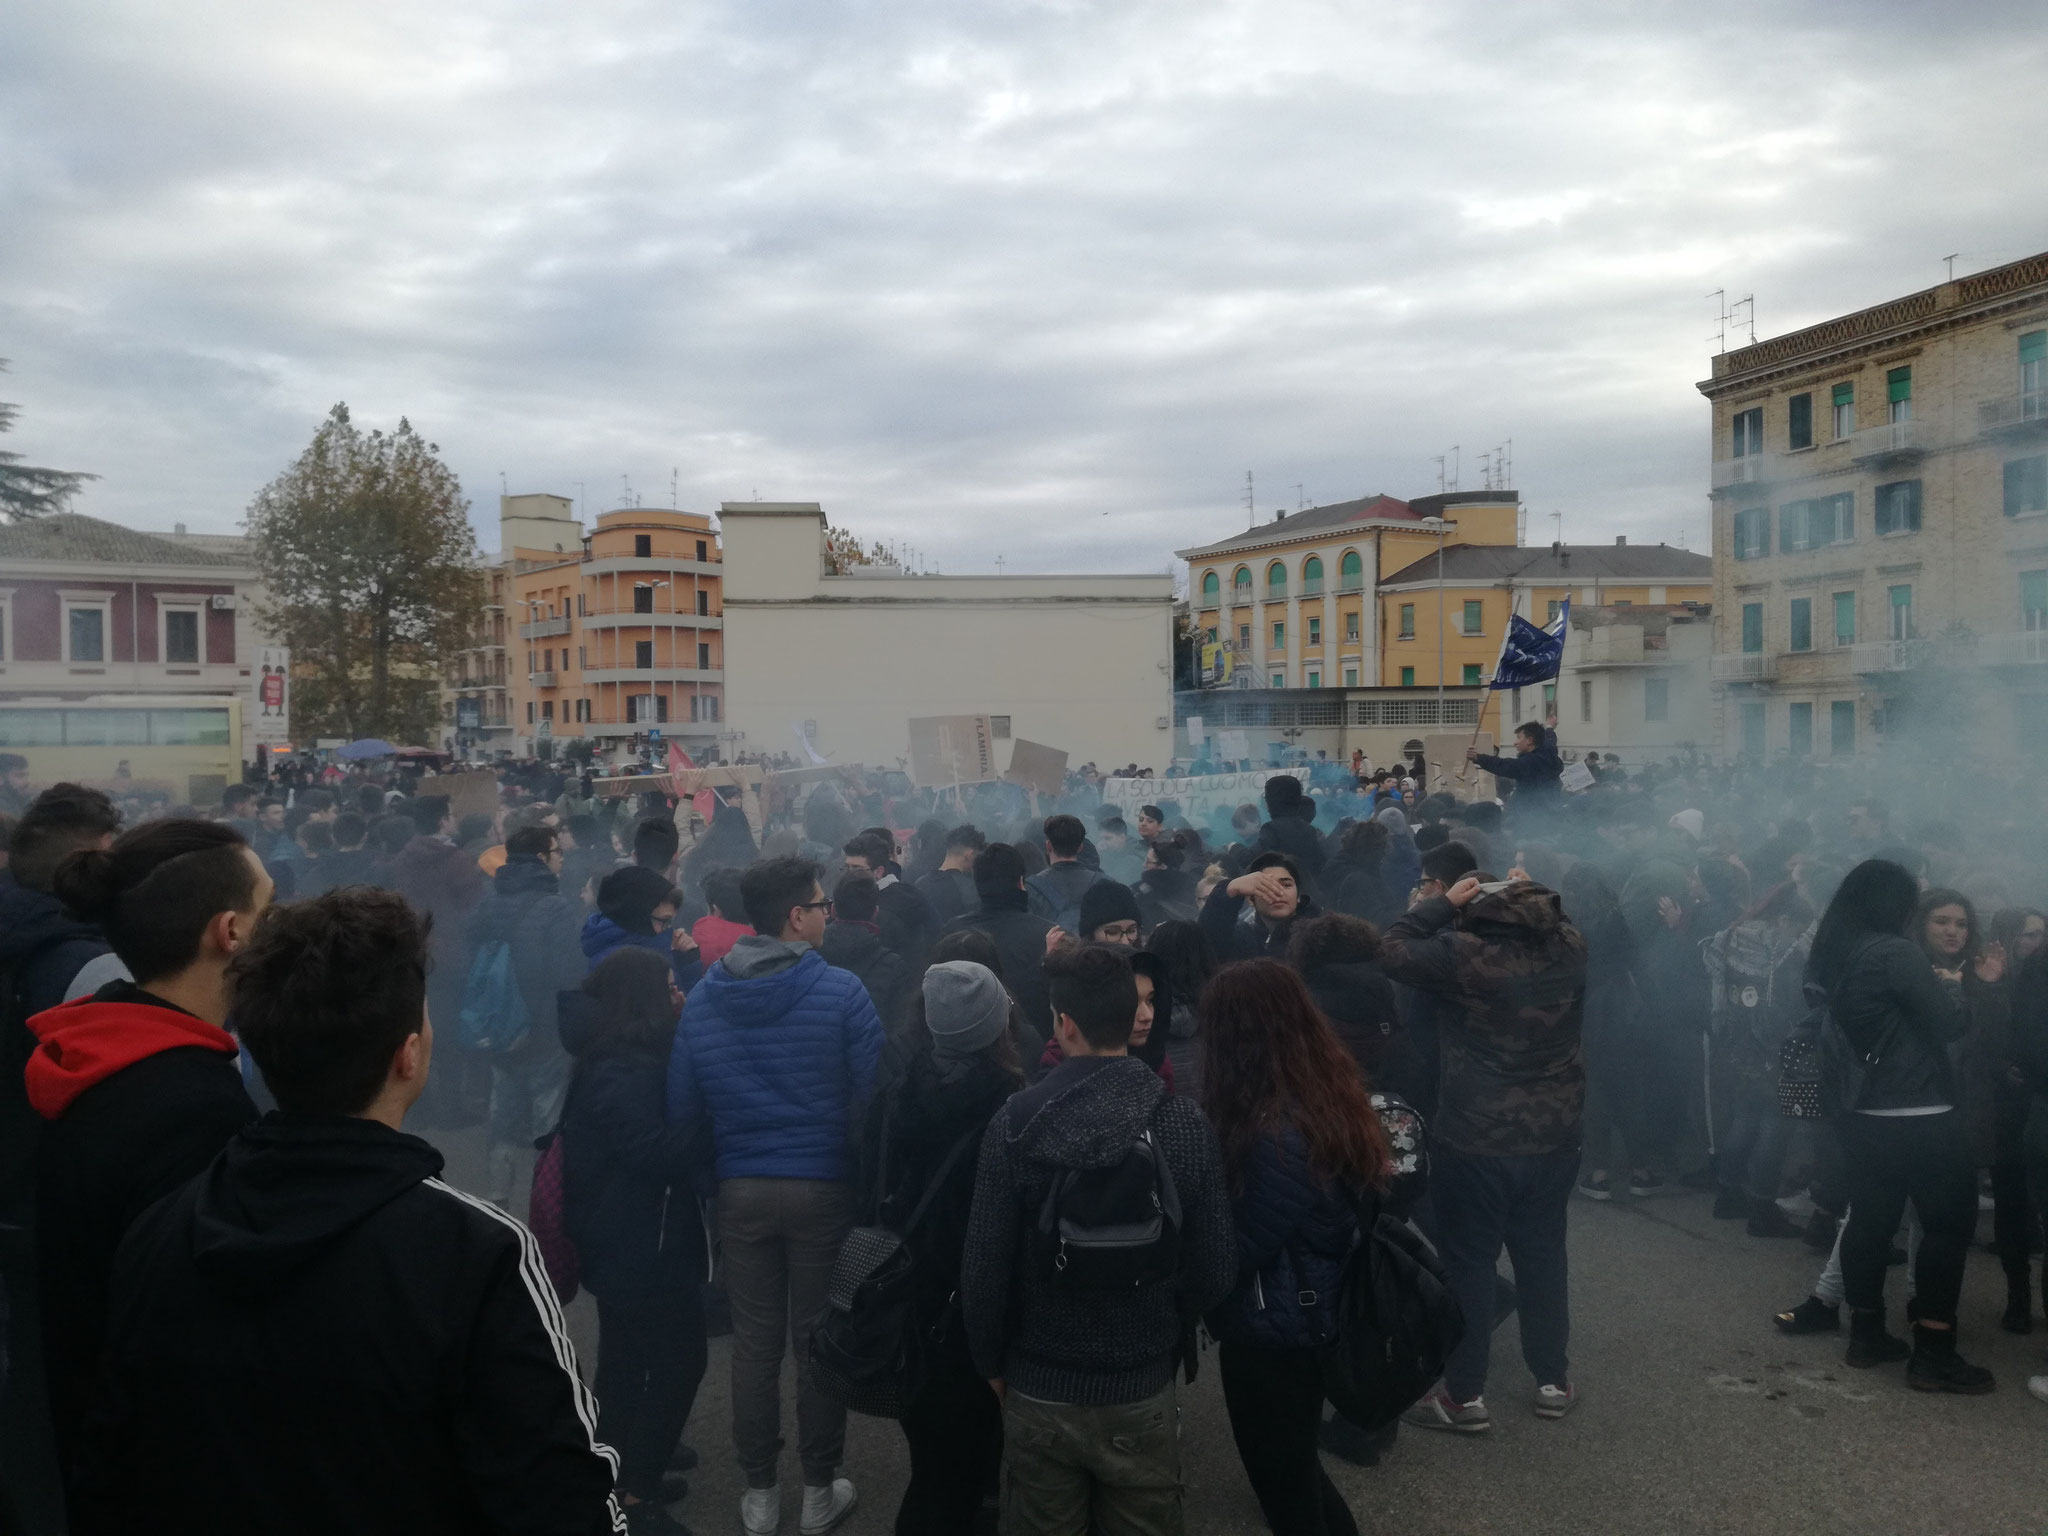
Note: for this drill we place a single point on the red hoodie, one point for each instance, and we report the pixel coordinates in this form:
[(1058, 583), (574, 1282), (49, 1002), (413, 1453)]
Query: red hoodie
[(86, 1042), (715, 935)]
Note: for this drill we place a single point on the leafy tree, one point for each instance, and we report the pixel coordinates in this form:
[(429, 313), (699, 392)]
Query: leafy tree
[(365, 548), (25, 490), (843, 549)]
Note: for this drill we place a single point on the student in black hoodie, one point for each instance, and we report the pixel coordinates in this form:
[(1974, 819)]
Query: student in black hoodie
[(853, 942), (1004, 916), (631, 1202), (137, 1085), (317, 1333), (1253, 914), (927, 1124)]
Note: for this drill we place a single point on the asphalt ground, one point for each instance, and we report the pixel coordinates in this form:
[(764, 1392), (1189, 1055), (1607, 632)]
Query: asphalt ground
[(1695, 1414)]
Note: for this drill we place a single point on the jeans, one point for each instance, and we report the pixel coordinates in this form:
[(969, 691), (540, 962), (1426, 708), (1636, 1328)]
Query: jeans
[(1894, 1158), (1829, 1287), (650, 1362), (780, 1239), (526, 1103), (1754, 1135), (1275, 1399), (1483, 1204), (1070, 1469), (955, 1434)]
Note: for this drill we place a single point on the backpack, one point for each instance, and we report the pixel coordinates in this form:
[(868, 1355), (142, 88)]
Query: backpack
[(1114, 1228), (870, 1351), (1397, 1323), (547, 1218), (493, 1014)]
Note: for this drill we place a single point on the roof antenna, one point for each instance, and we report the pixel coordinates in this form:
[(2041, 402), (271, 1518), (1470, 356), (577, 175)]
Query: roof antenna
[(1300, 500), (503, 487), (672, 494), (1251, 511), (1951, 260)]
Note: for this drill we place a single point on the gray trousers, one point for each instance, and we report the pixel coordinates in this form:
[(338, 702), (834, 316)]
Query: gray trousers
[(1069, 1469), (780, 1239)]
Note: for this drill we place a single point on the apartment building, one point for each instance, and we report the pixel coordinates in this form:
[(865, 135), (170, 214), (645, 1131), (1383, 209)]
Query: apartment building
[(1880, 489), (1635, 681), (476, 711)]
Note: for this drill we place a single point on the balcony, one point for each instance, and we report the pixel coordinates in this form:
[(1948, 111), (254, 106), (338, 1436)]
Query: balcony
[(1745, 667), (2026, 412), (540, 629), (1731, 475), (1313, 587), (615, 618), (2022, 650), (1895, 442), (541, 679), (654, 675), (1351, 583)]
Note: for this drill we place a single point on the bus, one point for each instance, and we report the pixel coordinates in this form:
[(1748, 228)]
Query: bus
[(184, 747)]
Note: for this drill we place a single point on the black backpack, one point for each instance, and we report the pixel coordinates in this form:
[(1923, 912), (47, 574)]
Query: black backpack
[(1397, 1323), (1114, 1228), (871, 1351)]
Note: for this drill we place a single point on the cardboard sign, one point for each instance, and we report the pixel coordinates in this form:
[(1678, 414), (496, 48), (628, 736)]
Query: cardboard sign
[(1576, 777), (469, 794), (952, 749), (1037, 767)]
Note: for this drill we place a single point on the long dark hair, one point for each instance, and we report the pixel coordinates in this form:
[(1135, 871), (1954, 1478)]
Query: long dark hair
[(1875, 899), (1941, 896), (634, 1009), (1184, 950), (1270, 1060)]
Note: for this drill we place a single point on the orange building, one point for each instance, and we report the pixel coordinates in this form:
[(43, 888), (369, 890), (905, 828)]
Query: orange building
[(624, 637)]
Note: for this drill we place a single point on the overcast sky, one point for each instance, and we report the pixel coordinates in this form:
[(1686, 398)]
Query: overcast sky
[(1031, 280)]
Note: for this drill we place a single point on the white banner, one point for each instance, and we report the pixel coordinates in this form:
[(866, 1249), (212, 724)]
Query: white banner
[(270, 713), (1197, 797)]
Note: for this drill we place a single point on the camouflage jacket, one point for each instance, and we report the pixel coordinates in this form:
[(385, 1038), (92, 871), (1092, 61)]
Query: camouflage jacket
[(1511, 974)]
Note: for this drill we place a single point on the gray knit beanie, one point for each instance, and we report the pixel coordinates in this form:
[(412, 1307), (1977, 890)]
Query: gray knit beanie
[(965, 1007)]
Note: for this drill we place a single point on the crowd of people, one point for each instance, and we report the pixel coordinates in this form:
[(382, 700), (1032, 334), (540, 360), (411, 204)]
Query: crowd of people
[(1117, 1090)]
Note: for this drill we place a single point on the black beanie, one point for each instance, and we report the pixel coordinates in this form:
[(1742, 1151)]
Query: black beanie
[(629, 896), (1283, 794), (1107, 901)]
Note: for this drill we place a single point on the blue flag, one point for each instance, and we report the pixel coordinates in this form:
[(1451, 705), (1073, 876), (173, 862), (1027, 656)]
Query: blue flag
[(1528, 654)]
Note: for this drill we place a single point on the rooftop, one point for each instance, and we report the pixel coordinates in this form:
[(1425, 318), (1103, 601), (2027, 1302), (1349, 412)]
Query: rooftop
[(1366, 511), (73, 537), (1558, 564)]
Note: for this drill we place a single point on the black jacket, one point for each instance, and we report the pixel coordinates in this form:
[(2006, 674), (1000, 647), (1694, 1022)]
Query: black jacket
[(1020, 939), (1534, 774), (525, 909), (858, 947), (1055, 892), (318, 1335), (1235, 931), (1890, 1001), (1300, 841), (950, 892)]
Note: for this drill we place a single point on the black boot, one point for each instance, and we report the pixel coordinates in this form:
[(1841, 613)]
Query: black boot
[(1936, 1367), (2019, 1300), (1730, 1204), (1811, 1316), (1869, 1344), (1768, 1219)]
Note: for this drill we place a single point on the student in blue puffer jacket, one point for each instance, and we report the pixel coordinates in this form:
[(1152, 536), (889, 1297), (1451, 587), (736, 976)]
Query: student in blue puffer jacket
[(777, 1050), (1302, 1146), (637, 907)]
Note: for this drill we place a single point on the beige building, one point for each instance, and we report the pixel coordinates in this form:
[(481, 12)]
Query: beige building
[(1635, 681), (843, 662), (1880, 486)]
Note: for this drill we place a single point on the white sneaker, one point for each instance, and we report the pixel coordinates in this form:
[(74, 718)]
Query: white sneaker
[(761, 1511), (826, 1507), (2038, 1385)]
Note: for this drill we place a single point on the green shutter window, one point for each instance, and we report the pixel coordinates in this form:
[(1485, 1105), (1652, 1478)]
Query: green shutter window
[(2034, 600), (1352, 570), (1212, 589), (1471, 674), (1407, 621), (2026, 485), (1799, 718), (1407, 677), (1276, 577), (1802, 623), (1656, 700), (1279, 635), (1842, 728), (1474, 620), (2034, 347), (1845, 394), (1898, 385), (1753, 729), (1845, 618), (1799, 422), (1752, 628)]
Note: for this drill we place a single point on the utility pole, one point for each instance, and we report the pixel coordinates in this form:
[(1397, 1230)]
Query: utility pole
[(1251, 513)]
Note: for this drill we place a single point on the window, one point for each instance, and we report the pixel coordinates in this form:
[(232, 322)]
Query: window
[(643, 546), (643, 653), (1555, 608), (1799, 422), (2026, 485), (4, 608), (660, 708), (1315, 631), (1752, 628), (1351, 572), (1209, 634), (1845, 415), (582, 656), (1656, 700), (1802, 623), (1902, 612), (1350, 626), (547, 661), (1407, 621), (1241, 585), (1752, 533), (1842, 728), (1279, 635), (1752, 716), (1407, 677), (1747, 432), (1351, 677), (1279, 680), (2033, 600), (1800, 721), (1276, 580), (1312, 575), (583, 711), (1550, 703), (703, 602), (1845, 618), (643, 598), (1212, 589), (1585, 701), (1244, 637), (1315, 679), (2033, 375), (1474, 620), (1471, 674), (85, 634), (547, 709), (1816, 523), (1898, 507), (579, 605), (703, 551), (999, 727), (529, 711), (1898, 394), (703, 655), (181, 636)]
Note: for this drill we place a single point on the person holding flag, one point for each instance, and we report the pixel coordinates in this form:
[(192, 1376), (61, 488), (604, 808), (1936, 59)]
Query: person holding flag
[(1528, 655)]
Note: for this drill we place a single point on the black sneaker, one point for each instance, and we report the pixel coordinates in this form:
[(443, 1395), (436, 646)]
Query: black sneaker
[(1936, 1367), (2019, 1305), (684, 1459), (1361, 1447), (1811, 1316), (1870, 1344), (1768, 1219)]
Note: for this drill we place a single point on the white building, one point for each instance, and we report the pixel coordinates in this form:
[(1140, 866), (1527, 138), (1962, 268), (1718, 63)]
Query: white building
[(1635, 682), (1080, 663)]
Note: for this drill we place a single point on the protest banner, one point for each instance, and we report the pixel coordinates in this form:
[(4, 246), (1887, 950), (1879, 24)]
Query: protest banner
[(952, 749), (1037, 767), (469, 794), (1198, 797)]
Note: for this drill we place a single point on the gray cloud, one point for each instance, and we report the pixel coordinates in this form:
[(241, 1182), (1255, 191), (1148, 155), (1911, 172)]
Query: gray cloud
[(1040, 280)]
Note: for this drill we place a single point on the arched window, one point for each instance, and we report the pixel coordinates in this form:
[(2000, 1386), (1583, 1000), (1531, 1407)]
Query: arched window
[(1276, 580), (1351, 571), (1241, 584), (1212, 589), (1312, 575)]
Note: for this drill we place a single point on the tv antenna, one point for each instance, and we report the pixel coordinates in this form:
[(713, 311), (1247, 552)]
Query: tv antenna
[(1300, 500), (1950, 259), (1726, 316), (674, 475), (1251, 511)]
